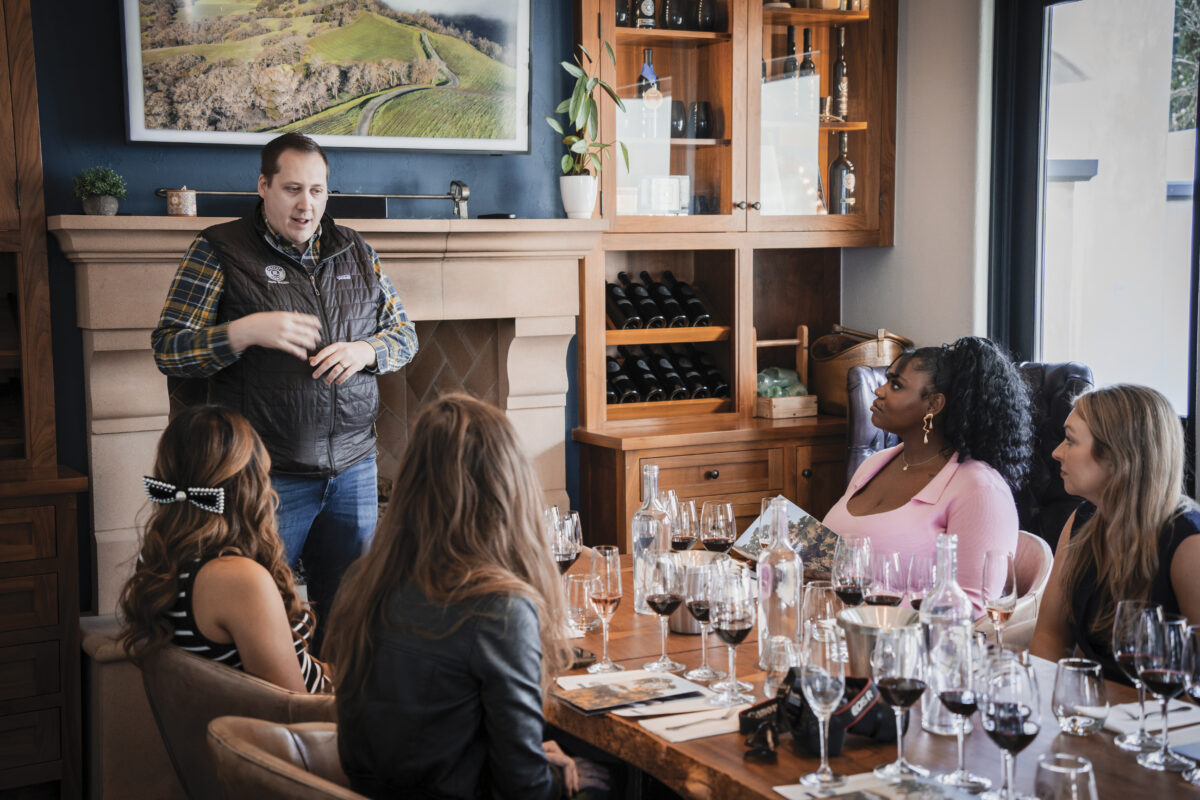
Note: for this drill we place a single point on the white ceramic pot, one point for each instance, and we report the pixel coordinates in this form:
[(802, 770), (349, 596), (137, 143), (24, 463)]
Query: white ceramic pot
[(578, 195)]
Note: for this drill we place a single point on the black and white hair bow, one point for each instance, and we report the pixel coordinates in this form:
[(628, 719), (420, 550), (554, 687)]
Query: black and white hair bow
[(206, 499)]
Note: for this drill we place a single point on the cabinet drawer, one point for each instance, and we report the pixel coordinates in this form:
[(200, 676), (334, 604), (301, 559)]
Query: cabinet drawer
[(27, 533), (28, 670), (707, 474), (31, 738), (30, 601)]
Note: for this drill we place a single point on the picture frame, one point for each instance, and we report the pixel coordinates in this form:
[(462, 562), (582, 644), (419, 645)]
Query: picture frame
[(243, 71)]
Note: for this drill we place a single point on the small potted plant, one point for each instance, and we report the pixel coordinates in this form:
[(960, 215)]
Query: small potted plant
[(582, 162), (100, 188)]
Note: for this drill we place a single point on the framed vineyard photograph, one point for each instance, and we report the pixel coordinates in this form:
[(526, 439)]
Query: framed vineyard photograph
[(450, 75)]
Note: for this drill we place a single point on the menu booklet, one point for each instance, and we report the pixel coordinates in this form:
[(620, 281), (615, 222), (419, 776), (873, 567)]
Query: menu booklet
[(596, 694), (811, 540)]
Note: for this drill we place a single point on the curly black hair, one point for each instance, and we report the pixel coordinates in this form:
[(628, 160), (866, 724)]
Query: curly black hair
[(987, 414)]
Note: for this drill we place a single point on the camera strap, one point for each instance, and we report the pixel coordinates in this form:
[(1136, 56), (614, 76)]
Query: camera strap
[(857, 707)]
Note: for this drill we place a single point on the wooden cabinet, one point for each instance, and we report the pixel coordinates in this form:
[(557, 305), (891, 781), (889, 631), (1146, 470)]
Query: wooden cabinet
[(39, 601), (737, 209)]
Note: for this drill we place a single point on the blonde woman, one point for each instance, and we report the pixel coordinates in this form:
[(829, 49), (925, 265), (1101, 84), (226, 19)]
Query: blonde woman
[(211, 576), (449, 630), (1133, 537)]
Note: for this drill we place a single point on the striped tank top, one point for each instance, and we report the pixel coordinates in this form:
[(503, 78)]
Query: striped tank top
[(188, 637)]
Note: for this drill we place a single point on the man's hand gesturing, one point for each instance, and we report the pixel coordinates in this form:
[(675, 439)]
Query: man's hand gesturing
[(289, 331), (340, 360)]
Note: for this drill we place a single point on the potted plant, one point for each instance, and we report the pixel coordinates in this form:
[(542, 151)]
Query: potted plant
[(100, 188), (582, 162)]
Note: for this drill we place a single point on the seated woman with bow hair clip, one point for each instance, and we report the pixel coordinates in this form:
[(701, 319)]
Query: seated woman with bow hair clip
[(211, 575)]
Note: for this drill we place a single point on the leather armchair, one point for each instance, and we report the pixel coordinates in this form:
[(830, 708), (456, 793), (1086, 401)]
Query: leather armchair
[(186, 692), (269, 761), (1042, 504)]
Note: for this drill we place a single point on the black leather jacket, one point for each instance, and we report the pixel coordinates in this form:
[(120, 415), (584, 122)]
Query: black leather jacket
[(453, 713)]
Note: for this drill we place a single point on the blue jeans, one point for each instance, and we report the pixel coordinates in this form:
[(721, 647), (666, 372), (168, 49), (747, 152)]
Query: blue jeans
[(328, 522)]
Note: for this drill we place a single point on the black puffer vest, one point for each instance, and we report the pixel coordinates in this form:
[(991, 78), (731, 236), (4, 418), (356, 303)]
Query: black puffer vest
[(308, 428)]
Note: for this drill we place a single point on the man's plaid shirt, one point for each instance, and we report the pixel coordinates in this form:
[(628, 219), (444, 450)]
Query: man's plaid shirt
[(189, 343)]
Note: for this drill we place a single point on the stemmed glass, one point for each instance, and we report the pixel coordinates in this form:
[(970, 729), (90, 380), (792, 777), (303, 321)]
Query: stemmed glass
[(1192, 776), (717, 526), (820, 605), (852, 569), (566, 541), (684, 535), (699, 585), (664, 594), (999, 589), (604, 593), (823, 681), (1160, 655), (957, 667), (898, 667), (733, 618), (1126, 623), (887, 580), (1010, 716), (920, 579)]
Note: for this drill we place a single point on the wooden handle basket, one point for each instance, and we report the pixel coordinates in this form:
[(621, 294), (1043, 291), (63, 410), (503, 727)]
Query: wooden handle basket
[(831, 357)]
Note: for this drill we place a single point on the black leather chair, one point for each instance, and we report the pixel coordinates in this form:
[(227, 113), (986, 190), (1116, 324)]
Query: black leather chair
[(1043, 504)]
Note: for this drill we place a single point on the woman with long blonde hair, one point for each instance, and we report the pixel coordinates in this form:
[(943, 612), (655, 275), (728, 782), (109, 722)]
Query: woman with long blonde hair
[(447, 632), (1133, 537), (211, 575)]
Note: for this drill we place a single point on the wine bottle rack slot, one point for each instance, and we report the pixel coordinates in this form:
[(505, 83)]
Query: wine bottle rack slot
[(645, 37), (669, 408), (713, 333), (812, 16)]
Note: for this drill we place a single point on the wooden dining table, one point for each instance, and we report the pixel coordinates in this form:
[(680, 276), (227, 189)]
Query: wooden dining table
[(715, 767)]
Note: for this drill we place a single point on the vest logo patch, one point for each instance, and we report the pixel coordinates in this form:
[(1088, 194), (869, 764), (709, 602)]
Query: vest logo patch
[(343, 277), (276, 274)]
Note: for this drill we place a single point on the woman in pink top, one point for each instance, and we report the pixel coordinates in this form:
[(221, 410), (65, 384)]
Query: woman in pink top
[(962, 414)]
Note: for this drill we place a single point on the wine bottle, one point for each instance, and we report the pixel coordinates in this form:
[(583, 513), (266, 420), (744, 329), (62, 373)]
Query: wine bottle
[(717, 385), (790, 64), (647, 79), (610, 394), (840, 82), (686, 367), (644, 15), (644, 378), (620, 310), (697, 314), (841, 179), (780, 586), (675, 14), (673, 312), (622, 13), (668, 377), (620, 381), (807, 67), (647, 308)]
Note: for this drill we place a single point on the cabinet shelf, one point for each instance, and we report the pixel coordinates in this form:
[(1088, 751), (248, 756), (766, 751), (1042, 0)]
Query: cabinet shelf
[(669, 408), (837, 127), (710, 333), (678, 142), (662, 36), (811, 16)]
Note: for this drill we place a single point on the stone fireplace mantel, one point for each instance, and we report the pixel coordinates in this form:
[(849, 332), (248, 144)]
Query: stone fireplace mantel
[(522, 273)]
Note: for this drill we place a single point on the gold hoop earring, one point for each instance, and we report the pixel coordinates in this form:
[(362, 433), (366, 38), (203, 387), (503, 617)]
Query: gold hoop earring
[(927, 428)]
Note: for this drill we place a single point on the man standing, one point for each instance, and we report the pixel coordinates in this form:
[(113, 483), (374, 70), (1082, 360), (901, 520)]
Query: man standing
[(290, 318)]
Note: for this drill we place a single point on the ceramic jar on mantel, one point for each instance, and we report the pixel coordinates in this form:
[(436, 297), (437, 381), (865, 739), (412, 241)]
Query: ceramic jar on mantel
[(578, 195), (105, 205)]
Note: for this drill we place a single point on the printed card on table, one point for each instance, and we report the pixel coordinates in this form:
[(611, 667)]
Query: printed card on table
[(595, 694), (806, 535)]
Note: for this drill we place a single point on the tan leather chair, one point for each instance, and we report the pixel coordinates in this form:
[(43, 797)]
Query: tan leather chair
[(268, 761), (186, 692), (1032, 563)]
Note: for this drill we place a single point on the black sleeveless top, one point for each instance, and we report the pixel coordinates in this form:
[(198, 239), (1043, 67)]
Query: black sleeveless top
[(1090, 598), (187, 634)]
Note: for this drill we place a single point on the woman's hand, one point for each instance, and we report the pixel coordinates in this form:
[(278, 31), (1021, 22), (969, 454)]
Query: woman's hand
[(556, 756)]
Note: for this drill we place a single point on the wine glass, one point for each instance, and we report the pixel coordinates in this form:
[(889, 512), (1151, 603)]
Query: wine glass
[(566, 541), (1010, 716), (699, 585), (999, 589), (717, 526), (887, 580), (1061, 776), (820, 605), (733, 617), (823, 682), (1124, 645), (684, 535), (920, 579), (898, 668), (664, 594), (782, 656), (852, 569), (670, 501), (1192, 776), (1160, 655), (604, 592), (957, 668), (1079, 701)]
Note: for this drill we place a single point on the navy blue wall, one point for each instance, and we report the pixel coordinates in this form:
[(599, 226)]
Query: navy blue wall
[(81, 100)]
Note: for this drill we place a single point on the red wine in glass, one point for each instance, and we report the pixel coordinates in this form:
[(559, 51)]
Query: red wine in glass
[(959, 701), (900, 692), (1008, 725), (883, 599), (565, 560), (699, 609), (664, 604), (1168, 683), (916, 603), (733, 633), (850, 593), (717, 544), (682, 542)]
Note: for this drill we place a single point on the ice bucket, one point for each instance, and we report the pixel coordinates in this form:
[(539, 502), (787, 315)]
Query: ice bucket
[(862, 626), (681, 620)]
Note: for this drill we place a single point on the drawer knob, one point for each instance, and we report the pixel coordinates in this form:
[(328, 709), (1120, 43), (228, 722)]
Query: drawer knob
[(807, 473), (712, 474)]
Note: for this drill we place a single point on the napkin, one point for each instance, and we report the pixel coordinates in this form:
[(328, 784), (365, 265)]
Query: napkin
[(1124, 718), (713, 721)]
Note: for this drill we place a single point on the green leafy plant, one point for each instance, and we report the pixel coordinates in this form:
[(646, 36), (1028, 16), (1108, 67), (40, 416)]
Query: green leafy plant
[(99, 181), (585, 151)]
